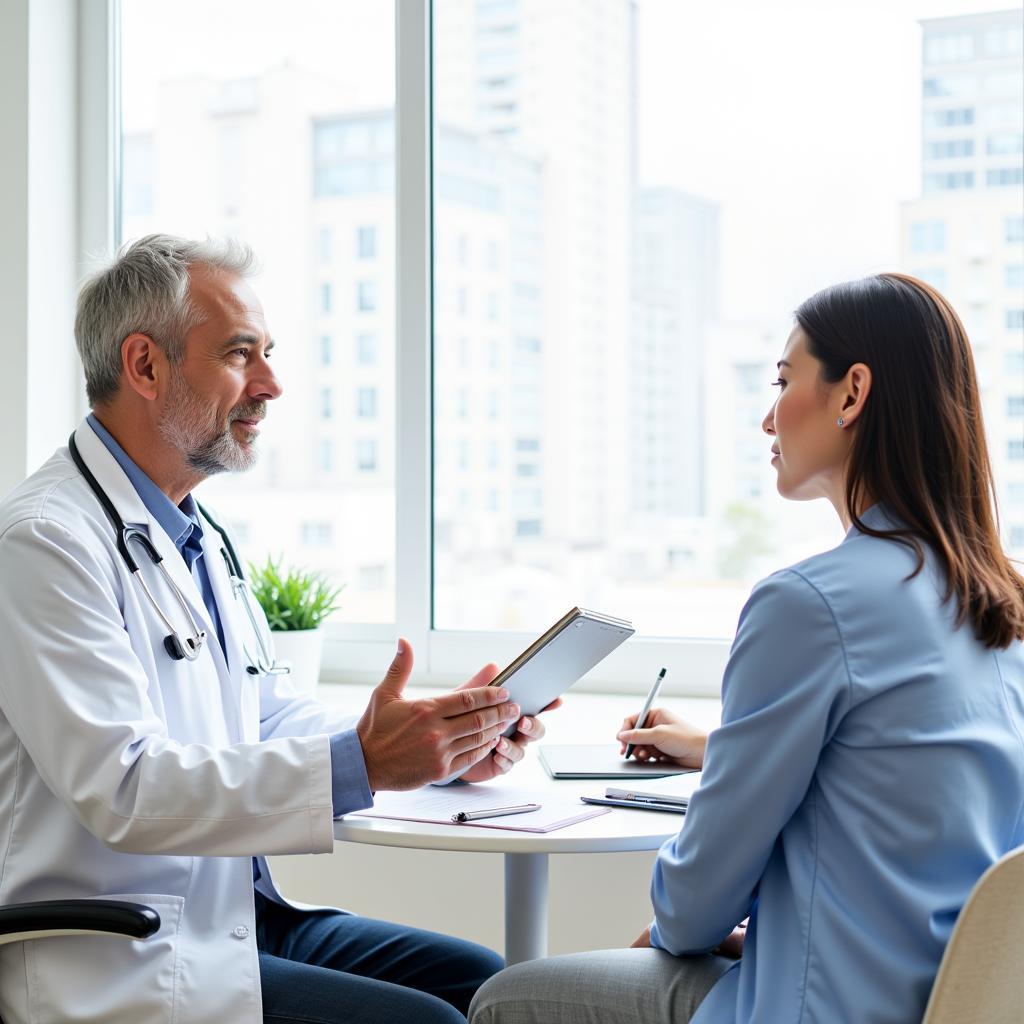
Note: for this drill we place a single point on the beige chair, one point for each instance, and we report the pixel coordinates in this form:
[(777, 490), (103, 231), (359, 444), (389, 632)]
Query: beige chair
[(981, 977)]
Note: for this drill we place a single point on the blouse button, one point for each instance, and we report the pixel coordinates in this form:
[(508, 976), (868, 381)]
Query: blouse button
[(241, 932)]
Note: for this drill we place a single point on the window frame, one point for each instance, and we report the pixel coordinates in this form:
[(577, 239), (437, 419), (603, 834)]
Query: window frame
[(360, 652)]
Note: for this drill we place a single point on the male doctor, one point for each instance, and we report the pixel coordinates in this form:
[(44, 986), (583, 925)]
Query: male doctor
[(140, 769)]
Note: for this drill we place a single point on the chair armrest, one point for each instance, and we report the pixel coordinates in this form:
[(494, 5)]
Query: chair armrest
[(119, 918)]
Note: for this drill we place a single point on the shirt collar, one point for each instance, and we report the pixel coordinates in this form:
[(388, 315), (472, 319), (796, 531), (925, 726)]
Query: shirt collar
[(177, 521)]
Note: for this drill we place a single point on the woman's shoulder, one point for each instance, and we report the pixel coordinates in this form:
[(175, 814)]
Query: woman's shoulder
[(870, 575)]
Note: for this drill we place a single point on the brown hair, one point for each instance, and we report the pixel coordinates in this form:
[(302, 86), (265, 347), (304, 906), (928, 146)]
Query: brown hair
[(919, 445)]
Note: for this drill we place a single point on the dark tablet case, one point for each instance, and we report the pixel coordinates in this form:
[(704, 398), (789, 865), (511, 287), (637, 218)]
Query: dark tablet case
[(598, 761)]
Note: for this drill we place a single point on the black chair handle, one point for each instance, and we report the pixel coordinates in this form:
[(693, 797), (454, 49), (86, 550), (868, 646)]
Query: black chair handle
[(118, 917)]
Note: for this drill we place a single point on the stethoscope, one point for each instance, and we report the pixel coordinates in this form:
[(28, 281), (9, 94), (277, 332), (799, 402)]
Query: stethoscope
[(189, 647)]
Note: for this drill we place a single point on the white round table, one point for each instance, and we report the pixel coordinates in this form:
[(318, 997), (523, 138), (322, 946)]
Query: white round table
[(526, 853)]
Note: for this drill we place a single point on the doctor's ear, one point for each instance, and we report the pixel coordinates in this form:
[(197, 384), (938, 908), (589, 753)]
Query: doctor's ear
[(143, 362)]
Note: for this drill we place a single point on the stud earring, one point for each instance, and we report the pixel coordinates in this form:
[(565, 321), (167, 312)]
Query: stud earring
[(840, 421)]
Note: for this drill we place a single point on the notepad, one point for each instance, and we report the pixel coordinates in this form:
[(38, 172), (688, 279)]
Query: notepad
[(436, 805)]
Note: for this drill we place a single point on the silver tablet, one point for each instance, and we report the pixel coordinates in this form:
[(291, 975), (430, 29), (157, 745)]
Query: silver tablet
[(560, 657)]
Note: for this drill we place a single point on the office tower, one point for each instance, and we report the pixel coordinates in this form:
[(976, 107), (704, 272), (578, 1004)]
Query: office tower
[(323, 490), (555, 79), (675, 285), (965, 234)]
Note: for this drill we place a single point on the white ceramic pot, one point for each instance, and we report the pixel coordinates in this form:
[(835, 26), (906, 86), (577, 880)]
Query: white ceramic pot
[(302, 649)]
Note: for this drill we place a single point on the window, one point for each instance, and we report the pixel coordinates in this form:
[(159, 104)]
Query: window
[(366, 349), (1006, 142), (325, 245), (950, 117), (1015, 319), (928, 236), (256, 80), (595, 291), (951, 85), (1015, 406), (1001, 176), (373, 577), (316, 534), (949, 148), (326, 454), (948, 180), (1015, 276), (937, 277), (948, 47), (366, 403), (1013, 229), (1004, 41), (1015, 449), (366, 243), (366, 455), (366, 296)]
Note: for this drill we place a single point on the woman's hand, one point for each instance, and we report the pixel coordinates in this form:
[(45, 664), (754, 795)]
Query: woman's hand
[(732, 945), (664, 737)]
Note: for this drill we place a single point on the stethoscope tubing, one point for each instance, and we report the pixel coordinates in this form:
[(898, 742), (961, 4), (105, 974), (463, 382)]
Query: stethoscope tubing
[(264, 663)]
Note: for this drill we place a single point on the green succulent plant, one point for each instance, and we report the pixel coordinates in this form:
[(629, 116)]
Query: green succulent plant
[(292, 598)]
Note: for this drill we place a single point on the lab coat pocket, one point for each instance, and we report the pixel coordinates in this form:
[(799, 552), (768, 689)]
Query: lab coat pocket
[(114, 980)]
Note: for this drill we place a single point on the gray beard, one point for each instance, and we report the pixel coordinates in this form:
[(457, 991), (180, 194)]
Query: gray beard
[(186, 426)]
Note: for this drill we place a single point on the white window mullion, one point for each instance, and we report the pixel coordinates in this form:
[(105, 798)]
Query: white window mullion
[(99, 134), (414, 319)]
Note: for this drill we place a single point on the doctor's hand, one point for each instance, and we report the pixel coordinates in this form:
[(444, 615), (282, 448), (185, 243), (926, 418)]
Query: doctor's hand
[(408, 743), (665, 737), (510, 749)]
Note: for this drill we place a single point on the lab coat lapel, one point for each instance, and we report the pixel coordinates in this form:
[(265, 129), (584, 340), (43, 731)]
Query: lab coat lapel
[(232, 617), (111, 477)]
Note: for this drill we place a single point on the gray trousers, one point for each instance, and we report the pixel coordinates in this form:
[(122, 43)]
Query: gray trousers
[(609, 986)]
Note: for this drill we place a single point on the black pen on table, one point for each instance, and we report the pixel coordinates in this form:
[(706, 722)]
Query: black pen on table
[(494, 812), (651, 698)]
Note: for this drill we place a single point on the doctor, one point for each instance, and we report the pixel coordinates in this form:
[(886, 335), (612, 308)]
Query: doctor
[(143, 753)]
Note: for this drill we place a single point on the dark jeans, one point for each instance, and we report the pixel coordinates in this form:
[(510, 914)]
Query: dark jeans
[(326, 967)]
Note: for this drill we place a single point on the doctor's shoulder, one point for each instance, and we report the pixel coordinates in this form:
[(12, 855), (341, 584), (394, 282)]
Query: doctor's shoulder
[(53, 506)]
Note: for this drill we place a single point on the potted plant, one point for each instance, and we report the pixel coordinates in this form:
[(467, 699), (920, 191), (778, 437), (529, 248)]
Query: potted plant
[(296, 602)]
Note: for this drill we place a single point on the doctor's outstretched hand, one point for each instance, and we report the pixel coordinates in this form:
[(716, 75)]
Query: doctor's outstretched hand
[(408, 743)]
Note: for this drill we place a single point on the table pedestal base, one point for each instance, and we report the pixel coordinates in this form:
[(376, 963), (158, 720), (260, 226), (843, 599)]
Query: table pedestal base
[(526, 907)]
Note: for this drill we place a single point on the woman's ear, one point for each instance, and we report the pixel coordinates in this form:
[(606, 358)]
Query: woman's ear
[(852, 392)]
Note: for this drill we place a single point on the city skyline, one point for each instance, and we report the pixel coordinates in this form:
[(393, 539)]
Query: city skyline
[(532, 502)]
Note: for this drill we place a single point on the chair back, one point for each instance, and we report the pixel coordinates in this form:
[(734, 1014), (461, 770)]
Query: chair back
[(981, 977)]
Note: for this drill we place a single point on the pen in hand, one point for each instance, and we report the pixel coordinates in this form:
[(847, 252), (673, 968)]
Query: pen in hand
[(494, 812), (651, 698)]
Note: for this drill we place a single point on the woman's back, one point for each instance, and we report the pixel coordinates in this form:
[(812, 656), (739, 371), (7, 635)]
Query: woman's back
[(899, 779)]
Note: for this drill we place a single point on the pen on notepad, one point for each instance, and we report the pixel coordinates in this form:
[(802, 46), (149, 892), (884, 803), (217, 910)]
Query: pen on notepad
[(651, 698), (494, 812)]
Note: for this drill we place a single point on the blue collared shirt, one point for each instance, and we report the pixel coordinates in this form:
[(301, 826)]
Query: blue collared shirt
[(868, 770), (349, 785)]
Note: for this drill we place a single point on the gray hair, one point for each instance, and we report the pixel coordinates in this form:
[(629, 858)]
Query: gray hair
[(145, 291)]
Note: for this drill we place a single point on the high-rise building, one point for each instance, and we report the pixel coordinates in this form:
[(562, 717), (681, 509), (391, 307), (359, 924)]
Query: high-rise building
[(556, 80), (675, 294), (965, 234)]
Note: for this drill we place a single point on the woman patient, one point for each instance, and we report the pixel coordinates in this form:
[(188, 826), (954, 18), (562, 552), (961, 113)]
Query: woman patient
[(870, 762)]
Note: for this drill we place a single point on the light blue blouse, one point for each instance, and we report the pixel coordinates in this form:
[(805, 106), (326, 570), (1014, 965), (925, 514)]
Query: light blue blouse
[(869, 768)]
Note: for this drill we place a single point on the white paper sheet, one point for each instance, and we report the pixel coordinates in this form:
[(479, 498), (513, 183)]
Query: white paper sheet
[(437, 805)]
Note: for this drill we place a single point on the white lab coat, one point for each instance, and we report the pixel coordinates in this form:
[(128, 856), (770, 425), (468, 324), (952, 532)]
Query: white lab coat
[(129, 775)]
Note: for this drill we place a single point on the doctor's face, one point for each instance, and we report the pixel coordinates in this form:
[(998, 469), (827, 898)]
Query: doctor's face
[(809, 449), (217, 396)]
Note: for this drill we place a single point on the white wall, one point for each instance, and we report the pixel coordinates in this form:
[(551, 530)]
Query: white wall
[(38, 203)]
